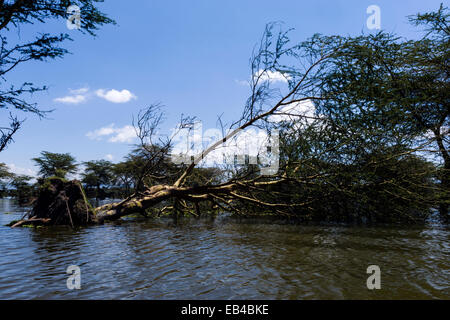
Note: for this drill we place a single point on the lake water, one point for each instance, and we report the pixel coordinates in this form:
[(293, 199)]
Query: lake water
[(222, 259)]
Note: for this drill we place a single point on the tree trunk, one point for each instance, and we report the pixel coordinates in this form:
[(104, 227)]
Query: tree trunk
[(445, 185), (445, 179), (155, 195)]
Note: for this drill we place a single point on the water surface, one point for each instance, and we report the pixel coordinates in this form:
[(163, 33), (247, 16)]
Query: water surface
[(221, 259)]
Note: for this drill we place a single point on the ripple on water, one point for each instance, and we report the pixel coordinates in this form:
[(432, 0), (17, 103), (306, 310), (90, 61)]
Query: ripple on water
[(222, 260)]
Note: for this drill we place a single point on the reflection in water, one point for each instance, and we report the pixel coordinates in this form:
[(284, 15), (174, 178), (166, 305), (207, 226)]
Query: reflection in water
[(221, 260)]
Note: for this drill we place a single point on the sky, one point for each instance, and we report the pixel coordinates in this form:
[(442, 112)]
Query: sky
[(190, 56)]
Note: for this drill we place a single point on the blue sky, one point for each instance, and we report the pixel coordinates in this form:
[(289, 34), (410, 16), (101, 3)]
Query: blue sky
[(188, 55)]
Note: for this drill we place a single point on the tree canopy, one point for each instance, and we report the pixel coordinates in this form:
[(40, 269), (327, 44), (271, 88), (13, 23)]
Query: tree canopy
[(44, 47), (55, 164)]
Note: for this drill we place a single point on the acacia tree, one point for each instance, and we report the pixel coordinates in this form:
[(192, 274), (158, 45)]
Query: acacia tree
[(23, 189), (97, 173), (430, 72), (44, 47), (395, 94), (123, 177), (5, 178), (55, 164)]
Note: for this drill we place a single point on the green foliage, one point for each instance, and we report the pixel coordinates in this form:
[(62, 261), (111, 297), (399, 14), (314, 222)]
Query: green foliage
[(5, 178), (123, 177), (4, 172), (23, 189), (96, 174), (44, 47), (55, 164), (382, 113), (382, 106)]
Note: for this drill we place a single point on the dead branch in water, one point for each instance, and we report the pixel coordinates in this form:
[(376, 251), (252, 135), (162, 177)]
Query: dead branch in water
[(31, 220)]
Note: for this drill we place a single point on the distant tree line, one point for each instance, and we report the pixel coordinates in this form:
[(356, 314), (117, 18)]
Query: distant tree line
[(100, 178)]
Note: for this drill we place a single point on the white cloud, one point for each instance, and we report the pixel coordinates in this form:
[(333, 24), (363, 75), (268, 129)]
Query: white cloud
[(301, 115), (99, 133), (295, 111), (71, 99), (21, 171), (76, 96), (109, 157), (79, 91), (115, 96), (272, 76), (80, 95), (242, 83), (266, 75), (124, 134)]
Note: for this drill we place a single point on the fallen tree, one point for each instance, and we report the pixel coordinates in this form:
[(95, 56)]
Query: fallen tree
[(60, 202), (360, 168), (224, 195)]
